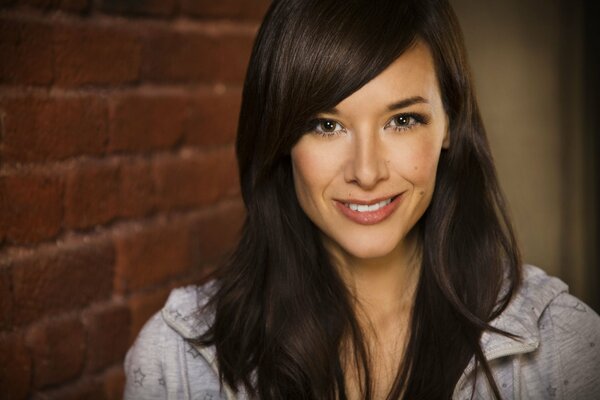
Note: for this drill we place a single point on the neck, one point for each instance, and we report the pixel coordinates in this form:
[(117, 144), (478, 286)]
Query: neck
[(383, 287)]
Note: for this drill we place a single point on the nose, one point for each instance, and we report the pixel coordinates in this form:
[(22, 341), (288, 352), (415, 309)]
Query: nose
[(367, 165)]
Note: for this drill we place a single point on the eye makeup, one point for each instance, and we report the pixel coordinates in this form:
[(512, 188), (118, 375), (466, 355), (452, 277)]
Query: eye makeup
[(401, 122)]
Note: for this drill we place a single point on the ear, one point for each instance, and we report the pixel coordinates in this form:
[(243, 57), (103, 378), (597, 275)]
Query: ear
[(446, 141)]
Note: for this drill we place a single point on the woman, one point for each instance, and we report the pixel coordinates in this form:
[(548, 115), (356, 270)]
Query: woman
[(377, 260)]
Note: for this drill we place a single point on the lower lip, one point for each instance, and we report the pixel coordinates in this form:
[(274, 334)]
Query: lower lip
[(369, 217)]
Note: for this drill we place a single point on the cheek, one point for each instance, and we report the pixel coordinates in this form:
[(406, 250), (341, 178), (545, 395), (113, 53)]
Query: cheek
[(310, 170), (419, 165)]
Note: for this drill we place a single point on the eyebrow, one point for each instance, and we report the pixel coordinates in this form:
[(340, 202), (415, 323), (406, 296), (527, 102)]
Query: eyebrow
[(394, 106), (407, 102)]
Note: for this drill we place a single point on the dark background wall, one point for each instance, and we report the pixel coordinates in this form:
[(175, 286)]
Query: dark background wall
[(535, 64), (117, 178), (591, 130)]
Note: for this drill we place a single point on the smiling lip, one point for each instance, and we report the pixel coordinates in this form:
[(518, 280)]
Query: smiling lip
[(369, 217)]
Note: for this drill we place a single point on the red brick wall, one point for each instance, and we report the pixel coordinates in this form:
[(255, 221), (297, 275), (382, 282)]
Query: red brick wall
[(117, 176)]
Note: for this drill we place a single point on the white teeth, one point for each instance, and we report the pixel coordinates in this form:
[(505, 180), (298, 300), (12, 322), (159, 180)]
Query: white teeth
[(362, 208), (366, 208)]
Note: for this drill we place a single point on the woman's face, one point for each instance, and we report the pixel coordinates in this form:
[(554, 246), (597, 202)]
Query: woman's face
[(365, 173)]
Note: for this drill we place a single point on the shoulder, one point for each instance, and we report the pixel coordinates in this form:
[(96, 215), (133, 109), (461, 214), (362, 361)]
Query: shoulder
[(570, 347), (182, 317), (521, 317), (163, 362), (554, 309), (544, 306), (557, 351), (185, 310), (538, 289)]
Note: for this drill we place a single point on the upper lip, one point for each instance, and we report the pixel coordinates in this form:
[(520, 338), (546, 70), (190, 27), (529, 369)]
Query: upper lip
[(368, 202)]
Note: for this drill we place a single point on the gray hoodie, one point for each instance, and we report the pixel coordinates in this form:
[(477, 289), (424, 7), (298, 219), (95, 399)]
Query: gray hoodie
[(557, 357)]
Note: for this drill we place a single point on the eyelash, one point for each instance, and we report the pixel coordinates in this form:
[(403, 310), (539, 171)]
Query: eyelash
[(414, 118), (417, 119)]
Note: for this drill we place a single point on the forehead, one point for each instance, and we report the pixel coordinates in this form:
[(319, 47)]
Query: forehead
[(410, 75)]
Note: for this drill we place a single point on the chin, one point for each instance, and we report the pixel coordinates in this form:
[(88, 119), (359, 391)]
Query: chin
[(369, 249)]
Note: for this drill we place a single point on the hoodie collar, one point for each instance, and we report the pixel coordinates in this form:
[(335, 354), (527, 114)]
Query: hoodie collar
[(520, 318), (184, 310)]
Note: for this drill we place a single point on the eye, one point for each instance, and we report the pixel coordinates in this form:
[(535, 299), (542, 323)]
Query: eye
[(327, 127), (403, 122)]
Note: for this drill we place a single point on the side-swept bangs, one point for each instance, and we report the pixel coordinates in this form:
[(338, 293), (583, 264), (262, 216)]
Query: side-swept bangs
[(309, 56)]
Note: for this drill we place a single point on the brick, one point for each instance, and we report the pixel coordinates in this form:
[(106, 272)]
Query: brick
[(45, 4), (215, 234), (91, 194), (6, 302), (53, 128), (197, 275), (152, 255), (114, 383), (136, 190), (58, 350), (195, 179), (139, 7), (15, 367), (170, 56), (107, 330), (231, 59), (234, 9), (62, 278), (213, 120), (196, 57), (31, 208), (74, 5), (26, 52), (84, 389), (91, 55), (66, 5), (144, 123), (143, 306)]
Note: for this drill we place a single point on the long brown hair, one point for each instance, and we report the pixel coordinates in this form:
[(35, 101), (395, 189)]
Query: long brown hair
[(281, 310)]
